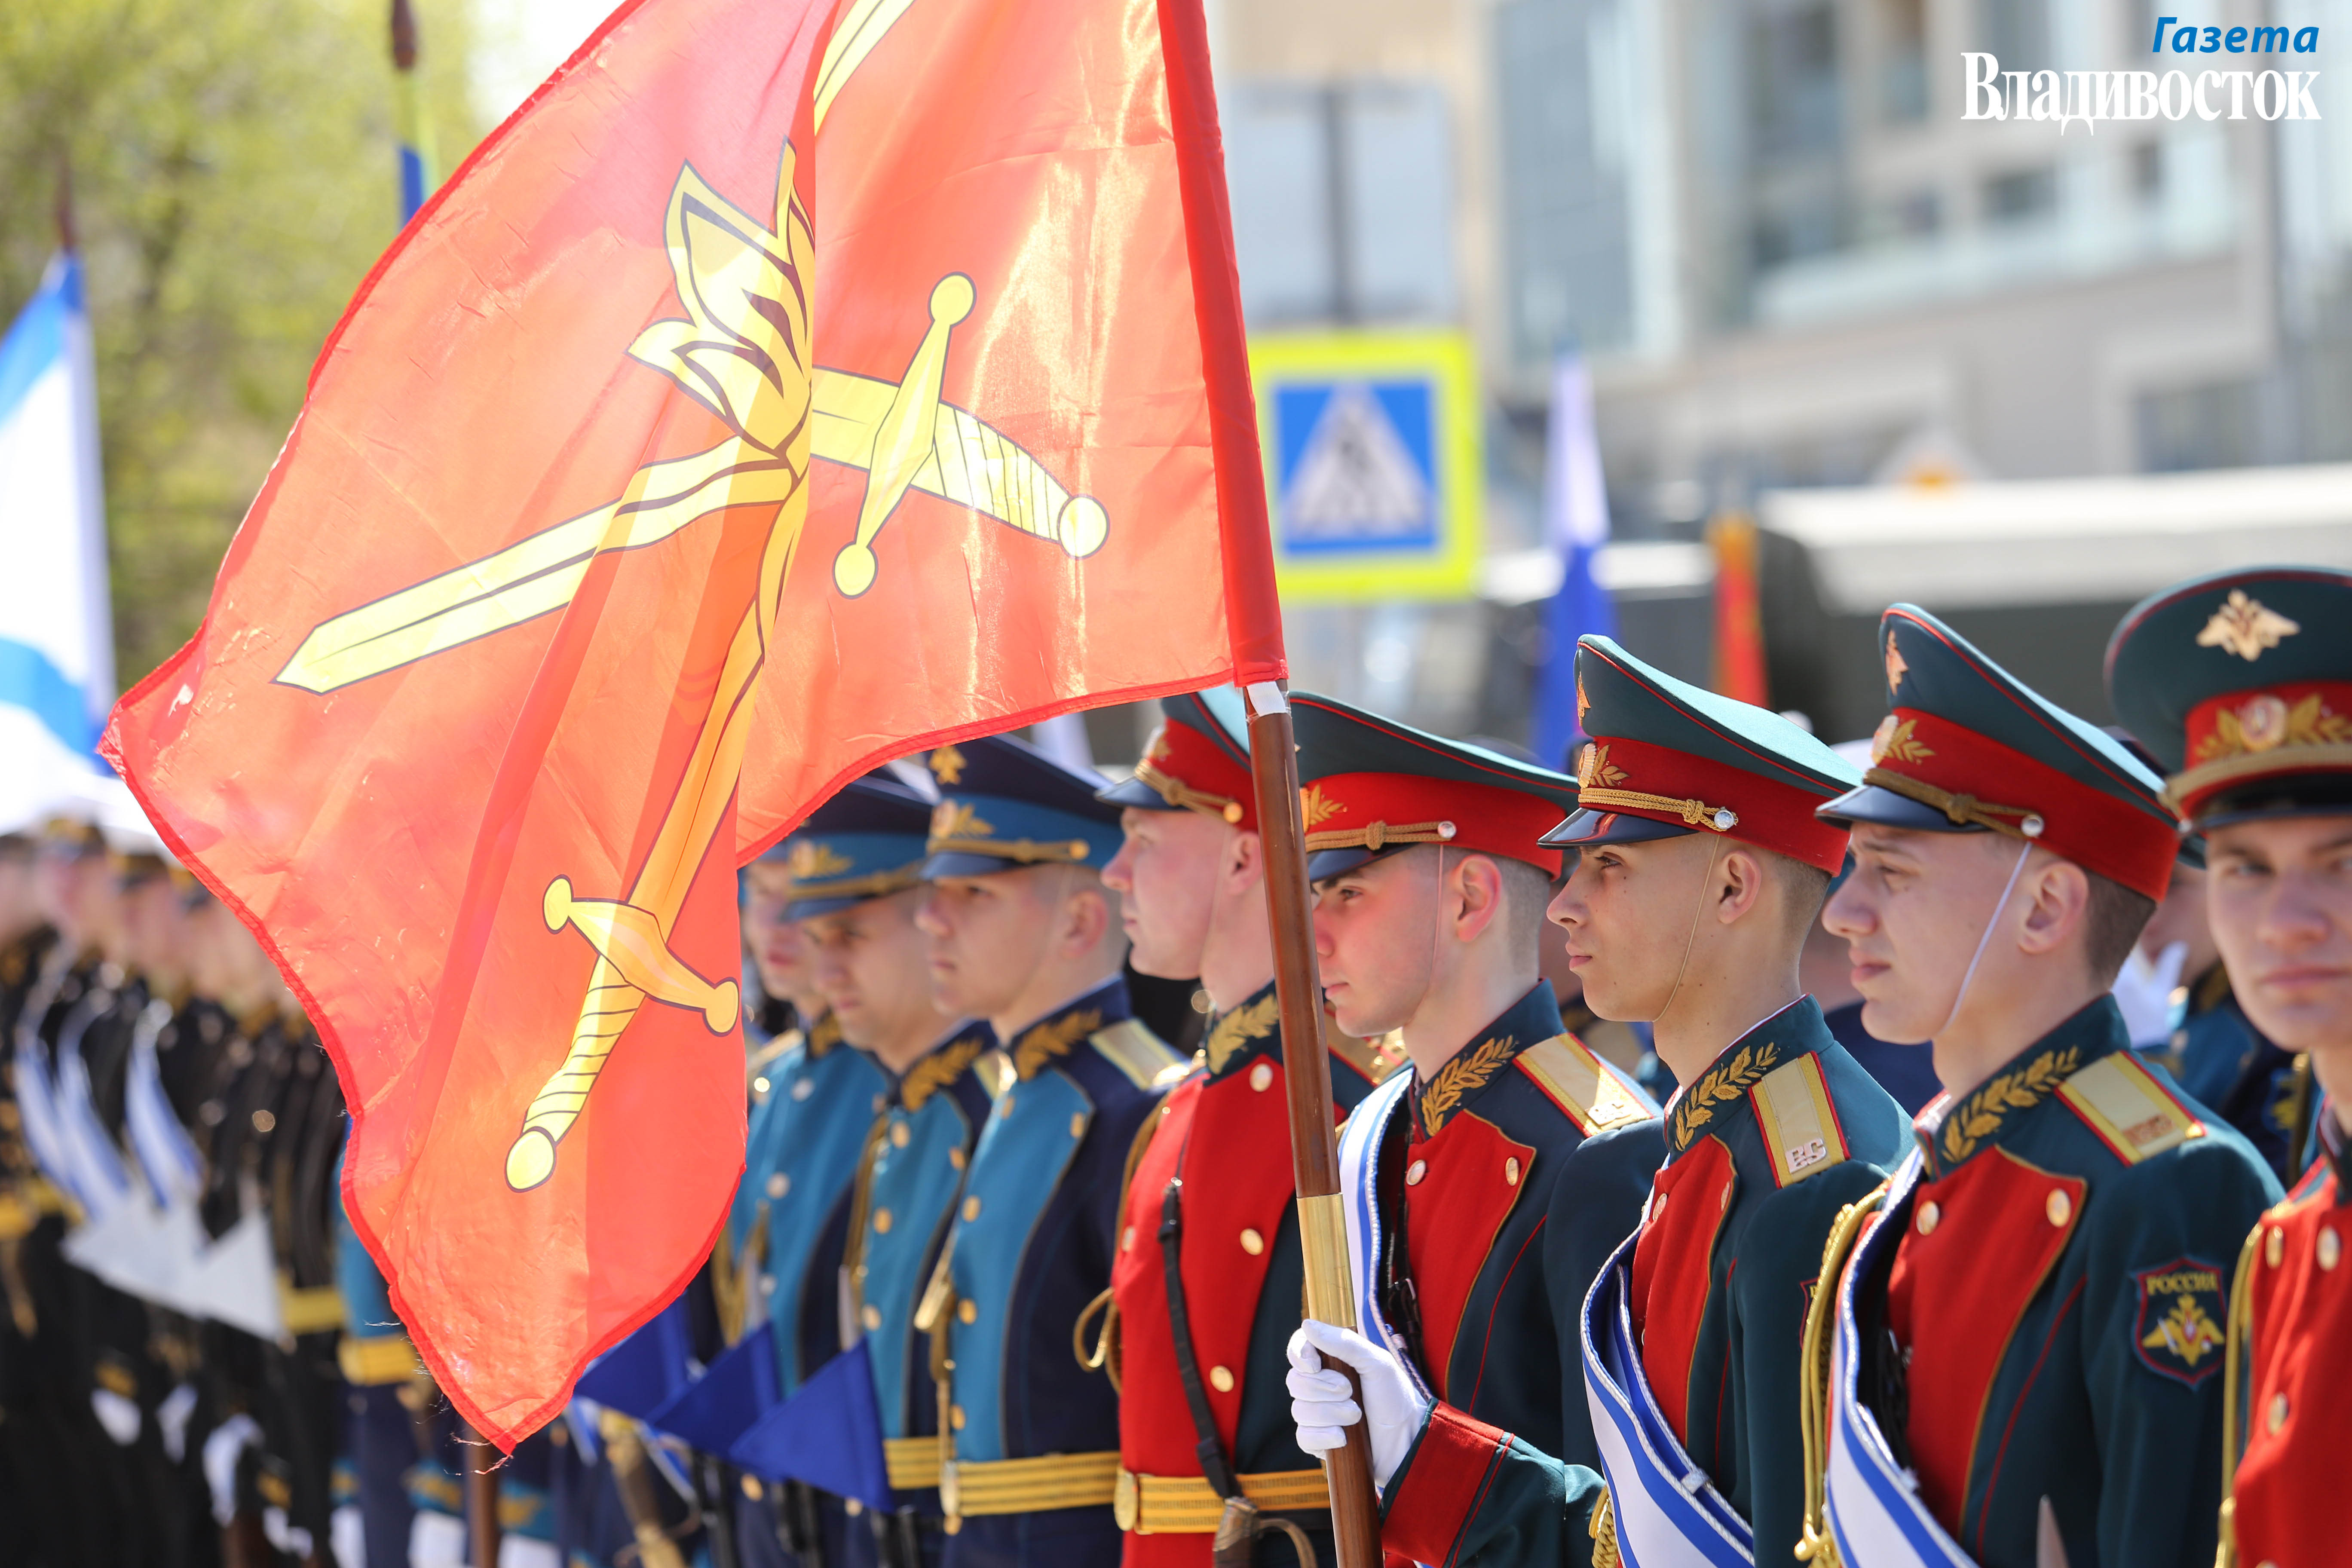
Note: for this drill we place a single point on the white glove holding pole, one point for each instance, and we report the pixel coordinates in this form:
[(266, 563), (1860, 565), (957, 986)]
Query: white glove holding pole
[(1393, 1410)]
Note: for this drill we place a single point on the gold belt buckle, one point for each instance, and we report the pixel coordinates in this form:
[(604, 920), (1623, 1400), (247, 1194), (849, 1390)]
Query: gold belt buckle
[(1126, 1500)]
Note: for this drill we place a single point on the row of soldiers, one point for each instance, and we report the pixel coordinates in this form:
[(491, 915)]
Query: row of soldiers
[(169, 1389), (1009, 1282)]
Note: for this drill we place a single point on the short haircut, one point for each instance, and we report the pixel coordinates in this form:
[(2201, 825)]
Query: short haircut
[(1805, 886), (2113, 918), (1527, 894)]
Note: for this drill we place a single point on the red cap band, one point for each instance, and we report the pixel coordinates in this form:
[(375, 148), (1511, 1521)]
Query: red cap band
[(1188, 769), (2296, 727), (1375, 811), (1663, 784), (2087, 826)]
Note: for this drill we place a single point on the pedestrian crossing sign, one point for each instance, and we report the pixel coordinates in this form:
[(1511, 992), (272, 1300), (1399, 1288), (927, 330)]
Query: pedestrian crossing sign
[(1373, 463)]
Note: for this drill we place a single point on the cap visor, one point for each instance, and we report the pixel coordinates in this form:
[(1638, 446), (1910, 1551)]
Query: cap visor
[(1887, 809), (810, 908), (959, 863), (1589, 827), (1137, 794), (2264, 811)]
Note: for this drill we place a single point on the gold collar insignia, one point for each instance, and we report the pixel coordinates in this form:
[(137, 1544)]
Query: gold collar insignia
[(939, 1069), (1721, 1084), (1993, 1103), (1465, 1073), (1053, 1038), (1250, 1021)]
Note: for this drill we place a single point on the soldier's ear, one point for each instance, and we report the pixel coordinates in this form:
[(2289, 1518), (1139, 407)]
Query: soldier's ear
[(1739, 879), (2056, 897), (1244, 862)]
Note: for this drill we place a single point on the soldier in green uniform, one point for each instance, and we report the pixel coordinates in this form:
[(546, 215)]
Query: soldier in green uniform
[(1210, 1274), (1484, 1189), (2028, 1332), (1700, 869), (2241, 685), (1024, 934)]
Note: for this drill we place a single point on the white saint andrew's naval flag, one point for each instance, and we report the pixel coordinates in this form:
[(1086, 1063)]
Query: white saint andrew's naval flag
[(56, 633), (137, 1230)]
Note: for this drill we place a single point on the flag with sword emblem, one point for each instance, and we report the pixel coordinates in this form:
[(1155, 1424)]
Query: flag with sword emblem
[(788, 385)]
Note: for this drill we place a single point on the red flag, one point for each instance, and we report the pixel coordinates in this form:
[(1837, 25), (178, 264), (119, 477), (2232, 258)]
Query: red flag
[(1738, 612), (788, 385)]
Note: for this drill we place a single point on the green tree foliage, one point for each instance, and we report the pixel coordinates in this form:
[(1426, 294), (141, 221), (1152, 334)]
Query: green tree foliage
[(233, 180)]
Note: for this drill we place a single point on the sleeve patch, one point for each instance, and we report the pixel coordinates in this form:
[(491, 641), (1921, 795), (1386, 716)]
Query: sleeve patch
[(2132, 1114), (1800, 1124), (2178, 1333), (1135, 1051), (1588, 1090)]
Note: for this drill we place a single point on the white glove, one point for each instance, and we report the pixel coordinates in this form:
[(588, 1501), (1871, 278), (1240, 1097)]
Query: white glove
[(1319, 1402)]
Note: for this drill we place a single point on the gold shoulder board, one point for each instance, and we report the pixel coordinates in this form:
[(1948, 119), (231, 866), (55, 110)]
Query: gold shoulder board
[(1135, 1051), (1801, 1127), (2132, 1114), (1594, 1094)]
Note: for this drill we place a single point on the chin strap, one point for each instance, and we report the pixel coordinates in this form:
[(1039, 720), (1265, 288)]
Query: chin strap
[(1978, 957), (1690, 938)]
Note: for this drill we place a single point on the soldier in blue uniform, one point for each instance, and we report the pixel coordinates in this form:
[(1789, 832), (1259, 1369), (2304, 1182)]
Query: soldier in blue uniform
[(1209, 1241), (2032, 1316), (799, 1166), (1024, 934), (1485, 1188), (856, 884)]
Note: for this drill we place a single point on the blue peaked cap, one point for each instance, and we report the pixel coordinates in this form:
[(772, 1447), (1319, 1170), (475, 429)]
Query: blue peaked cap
[(1004, 804)]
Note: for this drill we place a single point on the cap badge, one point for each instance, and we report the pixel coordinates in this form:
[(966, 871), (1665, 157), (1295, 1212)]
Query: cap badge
[(947, 764), (1315, 808), (1157, 750), (2245, 627), (1583, 704), (1896, 669), (1594, 768), (812, 860), (1893, 741), (958, 819), (2265, 722)]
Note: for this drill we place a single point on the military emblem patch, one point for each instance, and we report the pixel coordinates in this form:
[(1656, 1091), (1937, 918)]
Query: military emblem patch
[(2182, 1309)]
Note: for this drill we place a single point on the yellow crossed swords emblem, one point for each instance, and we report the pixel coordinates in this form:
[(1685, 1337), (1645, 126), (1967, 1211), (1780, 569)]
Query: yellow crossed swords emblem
[(745, 289)]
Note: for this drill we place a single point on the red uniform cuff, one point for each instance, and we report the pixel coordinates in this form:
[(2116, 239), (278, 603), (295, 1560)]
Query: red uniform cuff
[(1437, 1488)]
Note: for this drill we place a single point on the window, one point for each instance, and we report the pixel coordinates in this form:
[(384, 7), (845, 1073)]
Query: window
[(2217, 425), (2018, 197), (2016, 30), (1793, 81), (1903, 61)]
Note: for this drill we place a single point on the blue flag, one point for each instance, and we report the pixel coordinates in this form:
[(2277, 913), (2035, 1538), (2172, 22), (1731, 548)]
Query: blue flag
[(716, 1408), (829, 1434), (1576, 525), (646, 1371)]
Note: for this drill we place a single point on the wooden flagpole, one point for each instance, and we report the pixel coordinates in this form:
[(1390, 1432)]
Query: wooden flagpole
[(1314, 1148)]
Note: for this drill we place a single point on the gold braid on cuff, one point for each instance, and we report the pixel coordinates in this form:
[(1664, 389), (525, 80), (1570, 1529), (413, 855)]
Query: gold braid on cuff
[(2014, 820), (1378, 835), (1696, 812), (1176, 792)]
